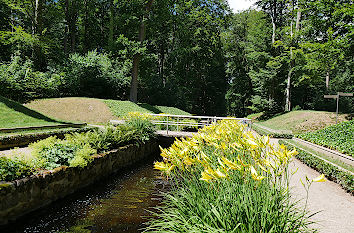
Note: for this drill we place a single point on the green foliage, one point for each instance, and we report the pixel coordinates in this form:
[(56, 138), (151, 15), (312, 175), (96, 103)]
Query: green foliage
[(13, 169), (339, 137), (19, 81), (95, 75), (345, 179), (122, 108), (52, 152), (210, 193)]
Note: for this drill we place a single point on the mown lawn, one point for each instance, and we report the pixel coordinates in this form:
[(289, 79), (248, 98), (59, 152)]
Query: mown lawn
[(121, 108), (303, 121), (13, 114)]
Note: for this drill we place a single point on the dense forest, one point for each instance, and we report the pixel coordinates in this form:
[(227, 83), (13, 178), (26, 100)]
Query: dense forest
[(193, 54)]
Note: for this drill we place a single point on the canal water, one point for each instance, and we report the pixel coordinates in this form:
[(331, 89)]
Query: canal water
[(120, 203)]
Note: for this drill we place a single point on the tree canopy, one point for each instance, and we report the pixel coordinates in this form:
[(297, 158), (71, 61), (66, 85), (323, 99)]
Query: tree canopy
[(193, 54)]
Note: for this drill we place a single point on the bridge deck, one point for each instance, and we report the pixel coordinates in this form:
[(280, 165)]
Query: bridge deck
[(175, 134)]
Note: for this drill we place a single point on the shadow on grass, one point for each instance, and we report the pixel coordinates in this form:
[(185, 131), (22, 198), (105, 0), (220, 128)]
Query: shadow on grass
[(22, 109), (150, 108)]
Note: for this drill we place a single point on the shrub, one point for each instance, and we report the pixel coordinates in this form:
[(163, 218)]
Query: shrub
[(20, 82), (12, 169), (96, 75), (52, 152)]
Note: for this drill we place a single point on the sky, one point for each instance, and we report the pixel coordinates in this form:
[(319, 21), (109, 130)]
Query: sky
[(237, 5)]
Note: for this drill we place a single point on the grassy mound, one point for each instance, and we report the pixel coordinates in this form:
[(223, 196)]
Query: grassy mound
[(93, 110), (339, 137), (121, 108), (13, 114), (303, 121), (76, 109)]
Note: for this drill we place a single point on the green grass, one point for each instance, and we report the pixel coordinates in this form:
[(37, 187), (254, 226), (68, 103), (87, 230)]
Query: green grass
[(302, 121), (122, 108), (13, 114), (339, 137)]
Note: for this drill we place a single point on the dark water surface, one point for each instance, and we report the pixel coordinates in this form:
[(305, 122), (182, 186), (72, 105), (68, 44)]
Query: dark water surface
[(116, 204)]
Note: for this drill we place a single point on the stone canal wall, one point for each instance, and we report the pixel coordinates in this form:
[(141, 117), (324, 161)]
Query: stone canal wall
[(25, 195)]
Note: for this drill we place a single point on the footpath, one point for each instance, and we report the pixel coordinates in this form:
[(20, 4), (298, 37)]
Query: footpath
[(333, 205)]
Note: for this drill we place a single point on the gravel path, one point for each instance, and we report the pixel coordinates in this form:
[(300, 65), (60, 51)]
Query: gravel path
[(335, 205)]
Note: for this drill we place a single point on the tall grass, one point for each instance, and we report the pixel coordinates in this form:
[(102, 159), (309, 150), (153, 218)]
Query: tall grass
[(227, 180)]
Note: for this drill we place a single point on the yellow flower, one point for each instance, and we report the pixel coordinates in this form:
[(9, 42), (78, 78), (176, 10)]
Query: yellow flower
[(188, 161), (163, 167), (254, 174), (231, 165), (160, 166), (320, 178), (219, 174), (206, 177)]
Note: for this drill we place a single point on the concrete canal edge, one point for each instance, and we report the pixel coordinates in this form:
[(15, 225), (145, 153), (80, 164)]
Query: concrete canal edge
[(20, 197)]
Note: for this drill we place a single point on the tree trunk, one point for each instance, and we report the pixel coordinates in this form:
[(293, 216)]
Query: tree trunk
[(273, 32), (327, 78), (85, 42), (111, 26), (37, 28), (133, 97)]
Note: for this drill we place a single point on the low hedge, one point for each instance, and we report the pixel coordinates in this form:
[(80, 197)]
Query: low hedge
[(333, 173), (9, 141), (272, 134)]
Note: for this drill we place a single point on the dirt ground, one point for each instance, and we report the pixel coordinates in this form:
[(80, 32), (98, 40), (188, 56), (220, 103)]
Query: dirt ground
[(314, 121), (74, 109)]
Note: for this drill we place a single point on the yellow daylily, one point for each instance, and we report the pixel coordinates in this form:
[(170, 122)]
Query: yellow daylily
[(255, 175), (219, 174), (320, 178), (231, 165), (206, 177)]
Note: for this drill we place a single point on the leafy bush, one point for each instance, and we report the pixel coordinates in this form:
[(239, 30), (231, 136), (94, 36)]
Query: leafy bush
[(20, 82), (12, 169), (345, 179), (52, 152), (339, 137), (95, 75)]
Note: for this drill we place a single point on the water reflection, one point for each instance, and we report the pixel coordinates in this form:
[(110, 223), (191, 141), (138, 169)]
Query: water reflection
[(117, 205)]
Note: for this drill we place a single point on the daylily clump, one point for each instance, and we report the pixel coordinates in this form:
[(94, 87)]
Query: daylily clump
[(221, 149)]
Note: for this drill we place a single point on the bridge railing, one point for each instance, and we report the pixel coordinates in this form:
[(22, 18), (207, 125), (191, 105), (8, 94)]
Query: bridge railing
[(171, 122), (180, 122)]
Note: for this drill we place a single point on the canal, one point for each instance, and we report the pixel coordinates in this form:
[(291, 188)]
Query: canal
[(119, 203)]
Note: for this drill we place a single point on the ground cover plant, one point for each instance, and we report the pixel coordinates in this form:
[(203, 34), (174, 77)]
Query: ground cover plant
[(75, 149), (345, 179), (225, 179), (338, 137), (14, 168)]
